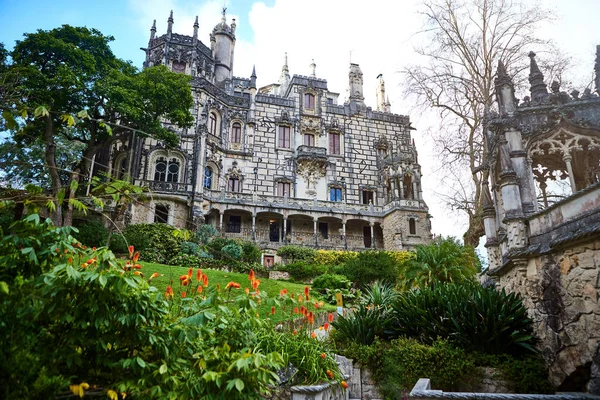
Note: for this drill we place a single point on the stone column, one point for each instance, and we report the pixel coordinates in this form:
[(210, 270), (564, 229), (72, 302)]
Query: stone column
[(372, 225), (254, 227), (567, 159), (284, 228), (344, 233), (315, 231), (221, 221)]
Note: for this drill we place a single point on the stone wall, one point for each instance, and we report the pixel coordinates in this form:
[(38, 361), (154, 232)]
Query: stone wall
[(396, 232), (560, 290)]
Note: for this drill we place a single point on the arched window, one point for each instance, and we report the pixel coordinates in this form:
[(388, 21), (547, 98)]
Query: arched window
[(166, 170), (412, 226), (408, 187), (309, 101), (236, 133), (120, 167), (335, 193), (212, 124), (208, 174), (161, 214)]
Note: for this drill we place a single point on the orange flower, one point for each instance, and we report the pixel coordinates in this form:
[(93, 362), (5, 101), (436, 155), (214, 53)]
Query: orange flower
[(306, 291), (300, 299), (169, 292), (295, 332), (204, 280), (330, 374), (255, 284), (183, 295), (273, 310), (138, 273), (283, 292), (323, 355), (344, 385), (199, 290), (233, 285), (190, 273), (326, 326), (183, 278), (313, 335), (296, 310), (136, 256), (93, 249), (154, 275), (316, 304), (70, 260), (247, 290), (311, 318), (251, 276), (199, 275), (218, 287), (130, 251), (302, 310), (330, 317), (137, 266)]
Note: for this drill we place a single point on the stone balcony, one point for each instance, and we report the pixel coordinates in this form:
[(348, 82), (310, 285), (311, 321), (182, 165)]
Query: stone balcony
[(311, 153)]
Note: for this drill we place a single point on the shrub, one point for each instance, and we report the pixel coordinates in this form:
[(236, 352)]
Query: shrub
[(330, 281), (185, 260), (361, 325), (215, 245), (303, 271), (205, 233), (250, 251), (292, 253), (370, 266), (399, 364), (156, 242), (91, 233), (334, 257), (191, 248), (117, 244), (379, 295), (232, 251), (470, 315)]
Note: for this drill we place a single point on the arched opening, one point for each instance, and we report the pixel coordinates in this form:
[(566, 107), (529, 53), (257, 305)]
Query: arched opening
[(236, 133), (412, 226), (161, 213), (208, 177), (309, 101), (407, 187)]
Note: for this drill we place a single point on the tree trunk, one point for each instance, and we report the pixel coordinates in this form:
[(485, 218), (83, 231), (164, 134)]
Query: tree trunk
[(52, 169), (68, 218)]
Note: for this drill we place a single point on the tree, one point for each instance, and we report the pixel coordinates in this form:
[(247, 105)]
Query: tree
[(71, 87), (467, 38), (443, 261)]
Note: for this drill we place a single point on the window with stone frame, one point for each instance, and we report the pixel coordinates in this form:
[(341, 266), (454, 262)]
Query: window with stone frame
[(234, 225), (161, 214), (236, 133), (335, 193), (284, 189), (212, 123), (166, 170), (309, 139), (334, 143), (179, 66), (285, 137), (309, 101), (412, 226), (208, 177), (368, 197), (234, 185)]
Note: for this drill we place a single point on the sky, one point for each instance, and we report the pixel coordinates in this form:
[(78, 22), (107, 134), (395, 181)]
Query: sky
[(379, 35)]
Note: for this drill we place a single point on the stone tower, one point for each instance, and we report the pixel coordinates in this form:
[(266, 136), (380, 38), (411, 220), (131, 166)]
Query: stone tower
[(222, 40)]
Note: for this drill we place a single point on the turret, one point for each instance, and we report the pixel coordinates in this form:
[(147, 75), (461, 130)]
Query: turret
[(253, 78), (152, 33), (196, 26), (505, 91), (170, 25), (383, 104), (313, 69), (284, 79), (536, 79), (223, 42), (355, 87)]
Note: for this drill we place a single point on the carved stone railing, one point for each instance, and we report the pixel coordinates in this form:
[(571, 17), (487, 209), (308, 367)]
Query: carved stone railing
[(166, 187), (311, 153)]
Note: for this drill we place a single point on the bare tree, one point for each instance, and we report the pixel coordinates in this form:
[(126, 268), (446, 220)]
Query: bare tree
[(466, 39)]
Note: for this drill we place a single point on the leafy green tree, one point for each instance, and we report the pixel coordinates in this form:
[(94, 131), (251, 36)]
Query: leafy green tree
[(444, 260), (72, 86)]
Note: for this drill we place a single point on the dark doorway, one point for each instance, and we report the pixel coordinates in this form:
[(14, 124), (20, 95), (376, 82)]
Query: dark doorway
[(274, 231), (324, 229), (367, 236), (161, 214)]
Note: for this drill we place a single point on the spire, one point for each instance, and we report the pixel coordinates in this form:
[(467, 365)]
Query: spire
[(597, 68), (285, 72), (380, 95), (502, 77), (253, 78), (488, 204), (355, 86), (223, 15), (196, 26), (505, 91), (313, 67), (153, 30), (170, 24), (536, 80)]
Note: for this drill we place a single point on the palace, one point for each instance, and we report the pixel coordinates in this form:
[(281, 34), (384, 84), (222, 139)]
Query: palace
[(279, 164)]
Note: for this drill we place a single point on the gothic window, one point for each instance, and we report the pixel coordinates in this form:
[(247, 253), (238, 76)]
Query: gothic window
[(283, 189), (368, 197), (309, 139), (412, 226), (166, 170), (284, 137), (161, 214), (234, 225), (236, 133), (208, 176), (234, 185), (334, 143), (179, 66), (309, 101), (120, 167), (335, 193), (408, 187), (212, 124)]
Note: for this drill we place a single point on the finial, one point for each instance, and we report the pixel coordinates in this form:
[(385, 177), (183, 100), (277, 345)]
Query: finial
[(313, 66), (196, 24), (488, 204), (536, 79), (253, 72), (170, 23), (223, 14), (253, 78), (153, 29), (502, 77), (170, 17), (285, 61)]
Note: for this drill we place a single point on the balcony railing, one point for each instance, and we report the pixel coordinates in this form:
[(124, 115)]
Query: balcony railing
[(311, 152), (170, 187)]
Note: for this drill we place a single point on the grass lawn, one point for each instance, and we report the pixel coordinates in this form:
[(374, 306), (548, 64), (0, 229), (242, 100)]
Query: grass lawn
[(169, 275)]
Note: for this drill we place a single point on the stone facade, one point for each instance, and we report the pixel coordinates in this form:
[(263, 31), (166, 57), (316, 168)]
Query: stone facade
[(546, 250), (278, 164)]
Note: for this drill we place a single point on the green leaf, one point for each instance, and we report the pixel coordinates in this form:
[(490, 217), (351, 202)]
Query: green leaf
[(83, 114), (140, 362), (51, 206), (24, 113), (102, 281), (41, 111), (163, 369), (68, 119), (10, 120), (4, 287)]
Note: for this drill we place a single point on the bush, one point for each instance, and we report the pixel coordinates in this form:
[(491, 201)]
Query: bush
[(191, 248), (185, 260), (232, 251), (399, 364), (334, 257), (303, 271), (292, 253), (91, 233), (361, 325), (330, 281), (156, 242), (250, 251), (370, 266), (205, 233), (472, 316)]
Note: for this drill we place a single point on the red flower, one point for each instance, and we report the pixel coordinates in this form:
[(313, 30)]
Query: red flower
[(283, 292), (183, 295), (330, 374), (183, 278), (300, 299), (296, 310), (138, 273), (131, 249), (323, 355), (93, 249), (295, 332), (326, 326), (204, 280), (169, 292), (344, 385), (190, 273), (199, 275), (330, 317), (311, 318), (185, 282), (306, 291), (313, 335), (273, 310), (255, 284), (251, 276), (154, 275), (233, 285), (137, 266), (136, 256), (316, 304), (199, 290)]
